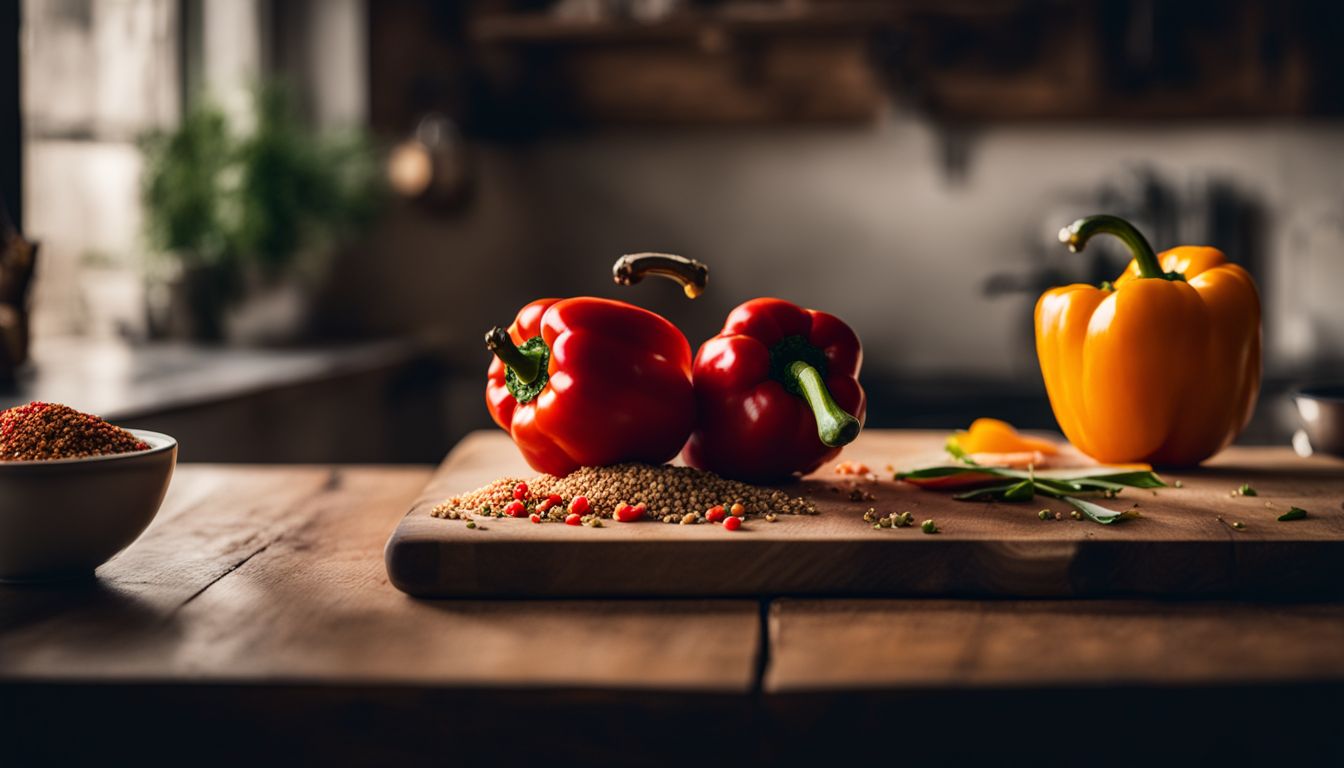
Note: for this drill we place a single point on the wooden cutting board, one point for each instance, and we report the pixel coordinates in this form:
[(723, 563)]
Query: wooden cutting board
[(1178, 548)]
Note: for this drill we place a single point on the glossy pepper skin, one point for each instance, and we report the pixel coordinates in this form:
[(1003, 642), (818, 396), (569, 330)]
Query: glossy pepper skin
[(1164, 367), (615, 386), (757, 421)]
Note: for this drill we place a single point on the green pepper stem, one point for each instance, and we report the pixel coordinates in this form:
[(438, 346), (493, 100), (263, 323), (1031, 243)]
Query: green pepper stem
[(526, 367), (835, 427), (1076, 235)]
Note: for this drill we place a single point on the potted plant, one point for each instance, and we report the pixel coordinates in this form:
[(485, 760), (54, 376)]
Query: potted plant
[(192, 256), (250, 220)]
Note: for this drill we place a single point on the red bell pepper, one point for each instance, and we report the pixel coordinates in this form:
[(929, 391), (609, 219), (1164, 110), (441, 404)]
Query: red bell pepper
[(777, 391), (589, 382)]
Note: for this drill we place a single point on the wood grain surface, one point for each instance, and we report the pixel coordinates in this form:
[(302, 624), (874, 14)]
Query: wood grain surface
[(1054, 682), (1183, 545), (918, 644), (256, 618), (273, 575)]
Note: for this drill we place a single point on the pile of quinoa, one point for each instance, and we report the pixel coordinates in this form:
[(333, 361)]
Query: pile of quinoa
[(672, 494), (44, 431)]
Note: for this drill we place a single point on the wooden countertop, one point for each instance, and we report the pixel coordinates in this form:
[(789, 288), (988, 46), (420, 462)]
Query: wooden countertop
[(120, 382), (256, 610)]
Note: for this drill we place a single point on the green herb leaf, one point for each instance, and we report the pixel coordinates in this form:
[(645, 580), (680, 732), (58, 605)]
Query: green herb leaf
[(1023, 491), (1293, 513), (1063, 477), (1134, 479), (930, 473), (1059, 484), (991, 492), (1100, 514), (954, 449), (1246, 490)]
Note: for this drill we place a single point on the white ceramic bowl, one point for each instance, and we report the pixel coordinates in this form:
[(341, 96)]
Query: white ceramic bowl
[(1321, 410), (62, 518)]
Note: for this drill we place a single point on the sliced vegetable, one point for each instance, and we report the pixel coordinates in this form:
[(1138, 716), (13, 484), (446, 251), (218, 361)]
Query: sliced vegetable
[(996, 436), (1065, 485)]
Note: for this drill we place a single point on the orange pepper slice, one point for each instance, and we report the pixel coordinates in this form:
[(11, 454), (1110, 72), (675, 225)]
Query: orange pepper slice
[(997, 436)]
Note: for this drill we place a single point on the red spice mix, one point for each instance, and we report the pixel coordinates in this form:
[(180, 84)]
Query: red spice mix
[(43, 431)]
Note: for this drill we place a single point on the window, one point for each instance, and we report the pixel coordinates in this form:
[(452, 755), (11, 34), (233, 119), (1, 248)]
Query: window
[(96, 75)]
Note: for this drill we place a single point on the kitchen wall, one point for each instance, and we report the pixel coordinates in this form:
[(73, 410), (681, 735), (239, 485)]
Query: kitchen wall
[(872, 223)]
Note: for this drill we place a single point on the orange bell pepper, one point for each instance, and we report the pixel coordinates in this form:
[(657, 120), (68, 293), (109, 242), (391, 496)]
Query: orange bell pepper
[(1161, 367)]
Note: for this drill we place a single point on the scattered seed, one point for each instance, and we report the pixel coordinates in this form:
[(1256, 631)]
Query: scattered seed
[(1178, 484), (1076, 515), (471, 523), (928, 526), (1044, 514), (858, 494)]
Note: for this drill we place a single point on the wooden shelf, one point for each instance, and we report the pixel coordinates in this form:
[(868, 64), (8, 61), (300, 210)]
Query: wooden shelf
[(755, 18)]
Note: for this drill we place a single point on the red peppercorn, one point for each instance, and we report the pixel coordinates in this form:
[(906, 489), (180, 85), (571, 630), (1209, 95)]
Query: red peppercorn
[(574, 519), (514, 509), (629, 514), (579, 505), (716, 513), (520, 491), (534, 517), (732, 523)]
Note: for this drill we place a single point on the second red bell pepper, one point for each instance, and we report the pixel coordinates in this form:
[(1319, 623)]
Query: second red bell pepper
[(777, 391), (590, 382)]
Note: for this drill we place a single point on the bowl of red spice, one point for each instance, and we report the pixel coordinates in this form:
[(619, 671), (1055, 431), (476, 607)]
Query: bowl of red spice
[(74, 490)]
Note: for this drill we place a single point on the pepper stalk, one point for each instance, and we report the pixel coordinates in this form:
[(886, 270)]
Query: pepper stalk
[(835, 426), (690, 274), (1076, 235), (526, 363)]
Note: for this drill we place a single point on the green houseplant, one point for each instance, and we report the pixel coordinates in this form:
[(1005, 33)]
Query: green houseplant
[(233, 215)]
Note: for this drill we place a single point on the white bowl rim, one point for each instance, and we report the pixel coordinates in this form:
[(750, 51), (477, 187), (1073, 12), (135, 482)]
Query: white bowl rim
[(158, 443)]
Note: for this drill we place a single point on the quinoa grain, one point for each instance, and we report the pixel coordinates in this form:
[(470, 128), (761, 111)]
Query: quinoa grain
[(675, 492)]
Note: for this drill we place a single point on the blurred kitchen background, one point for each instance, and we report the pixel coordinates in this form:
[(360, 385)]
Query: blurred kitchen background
[(278, 229)]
